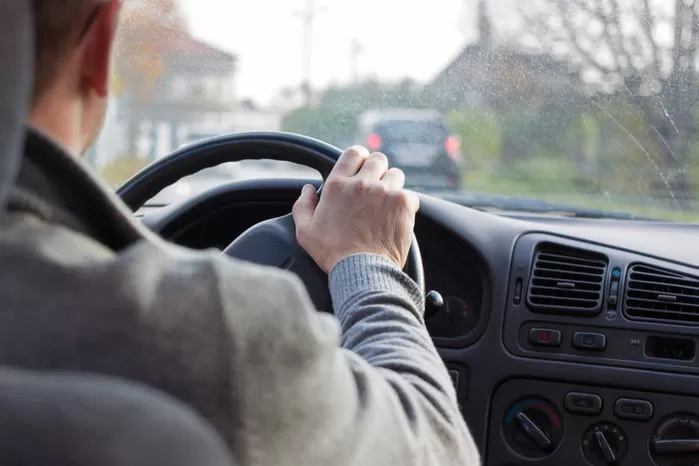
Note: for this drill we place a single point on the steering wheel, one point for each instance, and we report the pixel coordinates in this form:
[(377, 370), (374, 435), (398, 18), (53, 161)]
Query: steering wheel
[(272, 242)]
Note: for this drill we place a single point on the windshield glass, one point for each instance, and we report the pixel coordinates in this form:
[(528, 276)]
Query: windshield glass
[(412, 131), (565, 107)]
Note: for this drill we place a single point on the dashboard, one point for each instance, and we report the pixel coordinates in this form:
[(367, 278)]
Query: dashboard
[(570, 341)]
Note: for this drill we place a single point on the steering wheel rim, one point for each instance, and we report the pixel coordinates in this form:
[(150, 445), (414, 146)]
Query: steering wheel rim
[(272, 242)]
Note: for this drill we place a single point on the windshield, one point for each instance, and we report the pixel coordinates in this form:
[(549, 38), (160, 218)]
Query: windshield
[(412, 131), (586, 106)]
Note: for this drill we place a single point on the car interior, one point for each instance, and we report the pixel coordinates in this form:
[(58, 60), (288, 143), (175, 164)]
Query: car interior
[(569, 340)]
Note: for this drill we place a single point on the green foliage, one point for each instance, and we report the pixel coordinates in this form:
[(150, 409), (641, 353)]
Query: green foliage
[(479, 132), (334, 119), (328, 124)]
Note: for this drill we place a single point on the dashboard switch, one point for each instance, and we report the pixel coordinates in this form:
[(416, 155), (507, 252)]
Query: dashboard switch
[(613, 297), (517, 298), (589, 341), (545, 337), (633, 410), (583, 403)]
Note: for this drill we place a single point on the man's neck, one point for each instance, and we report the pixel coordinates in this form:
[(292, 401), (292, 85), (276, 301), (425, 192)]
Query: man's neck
[(58, 123)]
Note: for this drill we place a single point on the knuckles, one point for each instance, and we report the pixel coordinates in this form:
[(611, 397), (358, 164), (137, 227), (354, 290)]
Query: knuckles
[(360, 186), (334, 186), (380, 157), (344, 187)]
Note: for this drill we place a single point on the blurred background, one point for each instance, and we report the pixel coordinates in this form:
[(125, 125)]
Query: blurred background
[(589, 103)]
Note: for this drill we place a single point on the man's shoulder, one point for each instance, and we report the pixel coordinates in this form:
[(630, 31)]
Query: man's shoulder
[(152, 282), (151, 265)]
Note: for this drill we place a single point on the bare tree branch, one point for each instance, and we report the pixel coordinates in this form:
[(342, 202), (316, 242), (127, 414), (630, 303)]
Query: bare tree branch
[(574, 40), (647, 24)]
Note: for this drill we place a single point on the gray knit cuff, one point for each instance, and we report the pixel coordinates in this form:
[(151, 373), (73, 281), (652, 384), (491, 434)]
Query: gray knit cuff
[(359, 274)]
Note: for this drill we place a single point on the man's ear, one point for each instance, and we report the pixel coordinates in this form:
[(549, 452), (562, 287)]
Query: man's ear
[(96, 70)]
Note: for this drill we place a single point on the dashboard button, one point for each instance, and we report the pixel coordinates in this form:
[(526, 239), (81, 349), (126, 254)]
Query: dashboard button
[(583, 403), (589, 341), (633, 410), (545, 337), (518, 292)]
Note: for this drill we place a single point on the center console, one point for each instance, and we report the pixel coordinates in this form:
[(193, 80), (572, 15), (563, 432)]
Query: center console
[(591, 305), (574, 424)]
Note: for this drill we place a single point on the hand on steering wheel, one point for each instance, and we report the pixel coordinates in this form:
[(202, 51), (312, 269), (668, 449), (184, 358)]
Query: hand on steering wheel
[(272, 242), (363, 209)]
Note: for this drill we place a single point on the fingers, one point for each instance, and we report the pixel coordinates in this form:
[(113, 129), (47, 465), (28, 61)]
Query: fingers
[(305, 206), (412, 200), (350, 162), (394, 179), (374, 167)]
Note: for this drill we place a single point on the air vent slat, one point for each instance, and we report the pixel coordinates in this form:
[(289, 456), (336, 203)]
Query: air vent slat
[(649, 284), (663, 296), (566, 281), (653, 293), (563, 292), (646, 303), (545, 271), (556, 283), (577, 260), (558, 265)]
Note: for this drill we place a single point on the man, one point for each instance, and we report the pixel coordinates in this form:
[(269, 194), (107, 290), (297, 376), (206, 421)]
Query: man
[(83, 287)]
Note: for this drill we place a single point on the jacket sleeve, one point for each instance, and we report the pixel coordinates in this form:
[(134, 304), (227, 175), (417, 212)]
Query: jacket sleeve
[(366, 387)]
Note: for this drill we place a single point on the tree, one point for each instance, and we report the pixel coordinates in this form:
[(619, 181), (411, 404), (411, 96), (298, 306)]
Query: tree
[(334, 119), (642, 50), (140, 58)]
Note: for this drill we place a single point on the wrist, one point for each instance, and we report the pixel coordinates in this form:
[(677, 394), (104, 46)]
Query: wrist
[(363, 273), (333, 261)]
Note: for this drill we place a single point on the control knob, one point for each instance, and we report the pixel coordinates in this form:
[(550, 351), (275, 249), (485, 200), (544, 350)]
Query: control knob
[(604, 444), (532, 428), (675, 441)]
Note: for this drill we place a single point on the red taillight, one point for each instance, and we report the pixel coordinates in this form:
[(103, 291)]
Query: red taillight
[(373, 141), (453, 147)]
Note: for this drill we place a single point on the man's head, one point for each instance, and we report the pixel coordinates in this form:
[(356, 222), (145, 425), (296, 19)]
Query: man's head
[(74, 40)]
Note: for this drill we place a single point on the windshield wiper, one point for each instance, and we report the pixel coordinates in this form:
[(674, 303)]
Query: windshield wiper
[(490, 202)]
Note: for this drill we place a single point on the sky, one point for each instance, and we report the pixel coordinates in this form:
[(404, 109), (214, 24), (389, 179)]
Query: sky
[(400, 38)]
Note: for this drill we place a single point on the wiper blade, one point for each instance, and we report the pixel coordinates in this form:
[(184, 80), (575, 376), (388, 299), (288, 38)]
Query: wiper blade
[(488, 202)]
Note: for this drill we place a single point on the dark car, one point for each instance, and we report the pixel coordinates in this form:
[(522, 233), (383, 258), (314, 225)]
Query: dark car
[(417, 141)]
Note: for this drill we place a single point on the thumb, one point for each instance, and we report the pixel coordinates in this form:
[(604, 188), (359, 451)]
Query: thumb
[(305, 206)]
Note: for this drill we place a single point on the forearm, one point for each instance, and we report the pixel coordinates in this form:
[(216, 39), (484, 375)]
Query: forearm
[(381, 310), (379, 394)]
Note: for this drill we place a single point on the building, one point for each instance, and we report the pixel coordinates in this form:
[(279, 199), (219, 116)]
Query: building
[(195, 92), (486, 74), (531, 94)]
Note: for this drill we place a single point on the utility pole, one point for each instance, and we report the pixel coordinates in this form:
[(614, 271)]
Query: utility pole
[(308, 15), (355, 52)]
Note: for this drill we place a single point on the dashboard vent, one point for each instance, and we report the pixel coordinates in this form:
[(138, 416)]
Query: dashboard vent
[(659, 294), (566, 281)]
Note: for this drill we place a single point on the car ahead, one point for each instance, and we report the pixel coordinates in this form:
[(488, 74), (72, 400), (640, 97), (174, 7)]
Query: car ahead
[(418, 142)]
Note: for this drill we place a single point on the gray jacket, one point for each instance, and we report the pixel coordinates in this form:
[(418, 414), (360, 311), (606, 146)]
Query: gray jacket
[(85, 288)]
